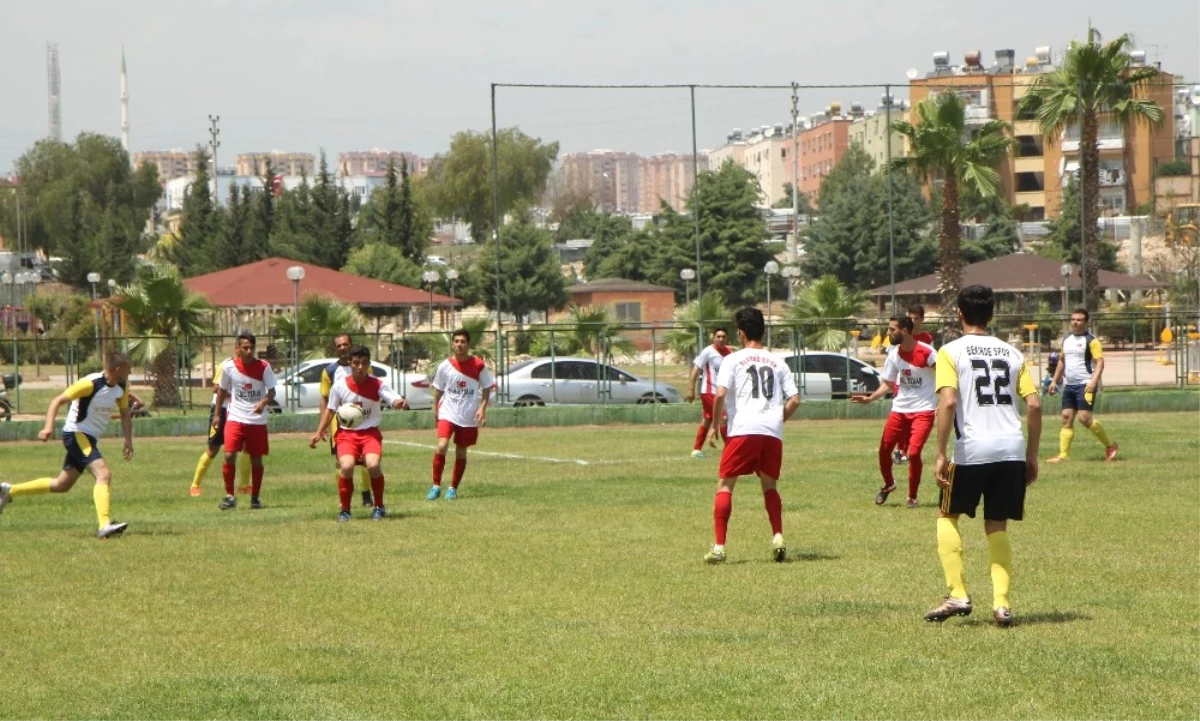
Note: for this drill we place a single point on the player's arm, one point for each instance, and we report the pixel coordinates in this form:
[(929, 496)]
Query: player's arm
[(1033, 418), (389, 395), (1059, 369), (436, 385), (884, 388), (223, 388), (269, 383), (695, 376), (126, 422), (326, 388), (946, 382), (331, 403), (788, 386), (718, 415), (79, 389), (487, 383), (1097, 365)]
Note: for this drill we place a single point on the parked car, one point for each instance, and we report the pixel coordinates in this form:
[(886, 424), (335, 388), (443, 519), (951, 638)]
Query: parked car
[(539, 381), (847, 374), (306, 382)]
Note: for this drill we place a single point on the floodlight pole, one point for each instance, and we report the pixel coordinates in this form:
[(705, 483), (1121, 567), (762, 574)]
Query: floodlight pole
[(499, 362), (887, 109), (696, 214)]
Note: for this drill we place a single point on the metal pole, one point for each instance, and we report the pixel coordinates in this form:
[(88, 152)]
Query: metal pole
[(687, 292), (1083, 228), (295, 340), (768, 277), (793, 247), (887, 109), (214, 131), (95, 318), (696, 214), (431, 305), (496, 205)]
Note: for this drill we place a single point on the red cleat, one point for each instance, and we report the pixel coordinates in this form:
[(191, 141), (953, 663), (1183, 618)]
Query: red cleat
[(1110, 453)]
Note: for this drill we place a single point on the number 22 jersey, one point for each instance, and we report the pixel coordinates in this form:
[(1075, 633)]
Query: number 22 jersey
[(989, 375), (757, 384)]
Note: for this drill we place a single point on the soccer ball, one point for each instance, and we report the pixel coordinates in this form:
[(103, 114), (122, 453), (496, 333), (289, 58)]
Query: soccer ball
[(349, 415)]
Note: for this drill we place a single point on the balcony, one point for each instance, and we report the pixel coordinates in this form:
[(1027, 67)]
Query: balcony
[(977, 115)]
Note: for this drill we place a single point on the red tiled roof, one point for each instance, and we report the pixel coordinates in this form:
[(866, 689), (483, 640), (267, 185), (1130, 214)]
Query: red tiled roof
[(1017, 273), (617, 285), (266, 283)]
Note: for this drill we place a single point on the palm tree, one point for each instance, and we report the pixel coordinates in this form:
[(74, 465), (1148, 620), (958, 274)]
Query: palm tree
[(824, 300), (321, 319), (441, 344), (1095, 81), (942, 146), (591, 330), (160, 309), (682, 338)]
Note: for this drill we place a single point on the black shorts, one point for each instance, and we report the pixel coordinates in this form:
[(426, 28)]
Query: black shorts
[(216, 438), (1001, 484), (1073, 397), (82, 451)]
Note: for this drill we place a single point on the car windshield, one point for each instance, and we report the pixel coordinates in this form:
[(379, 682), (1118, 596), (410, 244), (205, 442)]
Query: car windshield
[(523, 364)]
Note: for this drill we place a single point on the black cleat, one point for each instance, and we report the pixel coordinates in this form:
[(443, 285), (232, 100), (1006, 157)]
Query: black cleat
[(366, 499), (949, 608), (229, 503), (1003, 616), (882, 496), (256, 504)]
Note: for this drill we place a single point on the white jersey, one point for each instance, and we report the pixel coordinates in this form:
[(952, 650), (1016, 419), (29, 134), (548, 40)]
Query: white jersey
[(911, 376), (1079, 355), (92, 403), (756, 385), (246, 385), (709, 363), (989, 375), (461, 386), (369, 396)]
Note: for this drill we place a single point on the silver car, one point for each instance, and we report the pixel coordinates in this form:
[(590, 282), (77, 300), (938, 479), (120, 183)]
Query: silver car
[(304, 384), (849, 375), (540, 381)]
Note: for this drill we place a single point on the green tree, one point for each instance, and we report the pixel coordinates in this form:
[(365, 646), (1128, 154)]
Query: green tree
[(192, 251), (531, 277), (682, 337), (460, 182), (257, 245), (824, 300), (321, 319), (630, 259), (294, 225), (999, 238), (330, 220), (805, 206), (383, 262), (1063, 240), (609, 233), (398, 215), (1094, 82), (942, 145)]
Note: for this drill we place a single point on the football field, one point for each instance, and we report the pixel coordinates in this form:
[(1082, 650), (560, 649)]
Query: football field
[(567, 582)]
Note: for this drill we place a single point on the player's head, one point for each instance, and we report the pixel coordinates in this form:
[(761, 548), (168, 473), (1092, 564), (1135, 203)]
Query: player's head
[(1079, 320), (245, 345), (720, 337), (342, 343), (461, 341), (976, 303), (116, 366), (917, 314), (899, 327), (750, 323), (360, 362)]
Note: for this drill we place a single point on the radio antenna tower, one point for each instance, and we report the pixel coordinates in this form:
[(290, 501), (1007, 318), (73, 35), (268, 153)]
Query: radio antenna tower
[(53, 88), (124, 103)]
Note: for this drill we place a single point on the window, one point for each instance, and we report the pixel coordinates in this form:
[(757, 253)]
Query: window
[(1030, 182), (379, 372), (615, 375), (312, 375), (1029, 146), (630, 312)]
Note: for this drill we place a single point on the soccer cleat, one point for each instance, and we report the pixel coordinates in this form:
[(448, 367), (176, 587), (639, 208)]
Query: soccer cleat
[(366, 499), (245, 490), (229, 503), (194, 491), (434, 493), (1003, 616), (778, 549), (949, 608), (451, 493), (882, 496), (343, 516), (716, 555), (1110, 453), (912, 503), (697, 454), (378, 514), (899, 458), (5, 498), (1056, 459), (112, 529), (256, 504)]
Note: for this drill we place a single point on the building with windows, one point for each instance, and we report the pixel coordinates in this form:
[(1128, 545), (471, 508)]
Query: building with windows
[(375, 160), (667, 177), (608, 177), (170, 164), (765, 151), (823, 141), (281, 162), (869, 129)]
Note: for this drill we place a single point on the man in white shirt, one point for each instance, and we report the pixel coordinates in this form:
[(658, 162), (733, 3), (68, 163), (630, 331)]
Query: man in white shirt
[(461, 388), (248, 383), (757, 392), (704, 370), (1080, 368)]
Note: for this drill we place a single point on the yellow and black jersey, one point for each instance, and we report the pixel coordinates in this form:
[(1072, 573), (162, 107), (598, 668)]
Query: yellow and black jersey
[(1079, 354), (92, 403)]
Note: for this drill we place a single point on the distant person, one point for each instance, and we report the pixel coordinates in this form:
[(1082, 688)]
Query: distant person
[(461, 387), (249, 385), (1080, 367), (916, 313), (705, 369), (216, 442), (332, 373), (1051, 367)]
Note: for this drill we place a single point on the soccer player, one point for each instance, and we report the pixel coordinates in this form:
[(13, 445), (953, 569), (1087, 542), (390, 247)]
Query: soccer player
[(330, 375), (248, 383), (979, 378), (92, 399), (1080, 367), (705, 369), (216, 441), (364, 441), (909, 373), (461, 388), (756, 390), (916, 313)]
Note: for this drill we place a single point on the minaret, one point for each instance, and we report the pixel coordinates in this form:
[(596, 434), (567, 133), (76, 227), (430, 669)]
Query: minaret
[(124, 103)]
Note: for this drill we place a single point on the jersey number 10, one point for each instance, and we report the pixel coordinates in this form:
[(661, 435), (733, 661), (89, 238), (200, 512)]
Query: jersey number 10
[(996, 379), (762, 381)]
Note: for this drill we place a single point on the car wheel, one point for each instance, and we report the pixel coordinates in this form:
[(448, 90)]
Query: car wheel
[(651, 398), (528, 402)]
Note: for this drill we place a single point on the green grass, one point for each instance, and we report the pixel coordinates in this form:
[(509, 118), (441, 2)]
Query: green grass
[(561, 590)]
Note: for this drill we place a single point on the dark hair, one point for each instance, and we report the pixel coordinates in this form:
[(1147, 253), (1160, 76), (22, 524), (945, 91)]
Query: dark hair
[(116, 359), (247, 335), (360, 351), (977, 303), (903, 322), (720, 329), (461, 332), (750, 321), (343, 335), (1084, 312), (917, 310)]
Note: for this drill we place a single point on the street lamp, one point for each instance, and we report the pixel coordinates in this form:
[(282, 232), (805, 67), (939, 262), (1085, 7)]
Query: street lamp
[(1066, 271), (430, 277), (296, 274), (452, 276), (8, 279), (770, 269), (93, 278), (687, 275)]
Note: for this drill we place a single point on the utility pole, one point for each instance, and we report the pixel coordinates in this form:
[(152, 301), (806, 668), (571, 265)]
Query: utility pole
[(214, 131), (794, 242)]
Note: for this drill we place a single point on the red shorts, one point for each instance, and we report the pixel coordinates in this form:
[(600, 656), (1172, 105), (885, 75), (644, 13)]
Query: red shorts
[(246, 437), (706, 402), (461, 435), (748, 455), (909, 431), (359, 443)]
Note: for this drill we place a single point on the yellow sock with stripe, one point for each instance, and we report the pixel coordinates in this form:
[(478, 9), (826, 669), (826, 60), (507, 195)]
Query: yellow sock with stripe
[(201, 469), (950, 550), (1000, 553), (1065, 436), (364, 479), (32, 488), (102, 496), (1100, 434), (243, 469)]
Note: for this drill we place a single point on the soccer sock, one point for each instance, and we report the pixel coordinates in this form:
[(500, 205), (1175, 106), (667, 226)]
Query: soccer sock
[(256, 476), (885, 466), (32, 488), (201, 468), (774, 506), (364, 479), (227, 475), (102, 496), (244, 470), (439, 466), (722, 509), (460, 467), (701, 434), (1065, 436), (1100, 434), (915, 466), (377, 490), (951, 552), (345, 490), (1000, 552)]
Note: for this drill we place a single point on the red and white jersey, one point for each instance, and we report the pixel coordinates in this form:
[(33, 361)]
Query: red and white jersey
[(461, 386), (247, 384), (912, 376), (757, 384), (709, 363), (369, 396)]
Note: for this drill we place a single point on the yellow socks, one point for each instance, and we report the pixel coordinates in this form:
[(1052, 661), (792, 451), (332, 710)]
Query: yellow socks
[(1000, 553), (1065, 436), (951, 552), (364, 479), (32, 488), (1100, 434), (102, 496), (243, 470), (201, 469)]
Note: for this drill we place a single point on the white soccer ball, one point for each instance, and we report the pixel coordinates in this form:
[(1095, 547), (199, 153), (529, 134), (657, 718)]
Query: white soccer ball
[(349, 416)]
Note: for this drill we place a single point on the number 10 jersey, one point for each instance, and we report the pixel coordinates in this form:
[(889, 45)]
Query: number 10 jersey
[(989, 375), (757, 384)]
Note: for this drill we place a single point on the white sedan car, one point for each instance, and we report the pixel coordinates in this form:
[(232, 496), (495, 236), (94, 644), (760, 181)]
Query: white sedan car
[(304, 384), (540, 381)]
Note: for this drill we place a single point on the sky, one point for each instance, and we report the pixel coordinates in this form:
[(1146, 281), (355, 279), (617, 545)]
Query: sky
[(338, 75)]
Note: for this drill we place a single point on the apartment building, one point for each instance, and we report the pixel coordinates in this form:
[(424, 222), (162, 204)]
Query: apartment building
[(667, 177), (375, 160), (281, 162), (170, 164), (765, 151), (822, 144), (609, 177), (870, 129)]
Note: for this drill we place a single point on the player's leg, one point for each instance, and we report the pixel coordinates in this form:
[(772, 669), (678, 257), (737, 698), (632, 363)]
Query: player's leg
[(346, 461), (739, 457), (1089, 421), (1003, 500), (257, 447), (770, 465), (961, 496), (722, 510), (1066, 433), (893, 429), (234, 444), (364, 483), (375, 474), (706, 409), (102, 498), (920, 425), (464, 438), (61, 484), (445, 429), (206, 459)]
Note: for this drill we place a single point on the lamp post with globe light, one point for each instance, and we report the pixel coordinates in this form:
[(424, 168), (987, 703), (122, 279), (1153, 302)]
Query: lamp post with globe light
[(295, 274), (687, 275), (770, 269), (93, 278), (431, 277), (452, 276)]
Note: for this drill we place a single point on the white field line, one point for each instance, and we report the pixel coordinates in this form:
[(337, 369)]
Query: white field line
[(544, 459)]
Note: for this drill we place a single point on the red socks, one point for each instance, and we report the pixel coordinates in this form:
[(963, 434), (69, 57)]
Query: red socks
[(439, 467), (460, 466), (774, 506), (345, 491), (885, 466), (377, 490), (701, 434), (227, 474), (256, 476), (914, 473), (722, 509)]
